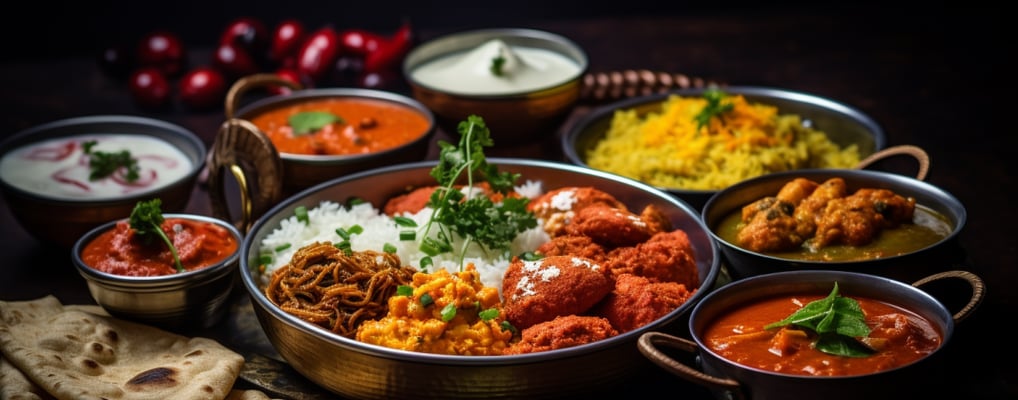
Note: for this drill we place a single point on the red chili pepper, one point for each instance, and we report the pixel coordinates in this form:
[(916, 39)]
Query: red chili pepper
[(390, 51), (359, 41), (318, 54)]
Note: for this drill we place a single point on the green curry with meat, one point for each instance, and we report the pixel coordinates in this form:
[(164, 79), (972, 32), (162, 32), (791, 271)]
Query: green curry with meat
[(813, 221)]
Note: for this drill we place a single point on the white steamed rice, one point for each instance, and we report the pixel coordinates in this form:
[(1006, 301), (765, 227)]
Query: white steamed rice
[(379, 229)]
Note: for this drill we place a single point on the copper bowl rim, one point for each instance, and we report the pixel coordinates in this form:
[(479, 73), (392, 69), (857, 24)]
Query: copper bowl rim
[(298, 96), (260, 301), (464, 40), (76, 126)]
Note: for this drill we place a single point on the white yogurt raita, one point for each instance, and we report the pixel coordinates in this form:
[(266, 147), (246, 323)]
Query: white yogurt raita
[(523, 69), (59, 167)]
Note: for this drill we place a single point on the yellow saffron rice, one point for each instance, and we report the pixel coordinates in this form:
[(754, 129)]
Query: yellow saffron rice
[(665, 149)]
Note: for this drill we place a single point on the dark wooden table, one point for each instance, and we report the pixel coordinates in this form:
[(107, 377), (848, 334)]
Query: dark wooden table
[(937, 81)]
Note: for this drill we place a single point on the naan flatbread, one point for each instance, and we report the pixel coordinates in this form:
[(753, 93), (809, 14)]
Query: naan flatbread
[(72, 353)]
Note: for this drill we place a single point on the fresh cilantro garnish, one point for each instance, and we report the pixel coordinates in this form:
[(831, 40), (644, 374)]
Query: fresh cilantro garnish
[(836, 320), (147, 221), (448, 312), (714, 108), (496, 65), (306, 122), (103, 163), (476, 218), (488, 315)]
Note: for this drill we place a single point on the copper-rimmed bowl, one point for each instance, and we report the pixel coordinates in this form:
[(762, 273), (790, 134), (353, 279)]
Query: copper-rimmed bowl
[(267, 175), (359, 370), (514, 116), (61, 220), (843, 124), (728, 379), (742, 263)]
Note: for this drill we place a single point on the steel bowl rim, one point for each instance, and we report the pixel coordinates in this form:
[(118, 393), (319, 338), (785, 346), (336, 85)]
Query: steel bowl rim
[(901, 289), (949, 200), (569, 138), (296, 96), (578, 55), (161, 282), (25, 137), (259, 300)]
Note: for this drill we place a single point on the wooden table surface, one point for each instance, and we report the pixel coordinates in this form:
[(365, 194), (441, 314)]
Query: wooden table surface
[(936, 81)]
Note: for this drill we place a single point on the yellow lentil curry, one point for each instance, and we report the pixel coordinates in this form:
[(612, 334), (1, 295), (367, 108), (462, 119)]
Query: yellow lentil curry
[(732, 142)]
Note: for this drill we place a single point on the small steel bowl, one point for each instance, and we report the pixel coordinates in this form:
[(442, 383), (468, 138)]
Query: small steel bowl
[(267, 175), (730, 380), (183, 301), (513, 116), (62, 220), (359, 370), (742, 263), (843, 124)]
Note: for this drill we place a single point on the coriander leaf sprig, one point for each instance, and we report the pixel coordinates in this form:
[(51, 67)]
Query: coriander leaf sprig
[(837, 321), (474, 217), (714, 108), (147, 220), (103, 163)]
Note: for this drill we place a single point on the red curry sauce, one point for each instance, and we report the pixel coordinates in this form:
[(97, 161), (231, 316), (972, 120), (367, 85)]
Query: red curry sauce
[(902, 337), (119, 251), (367, 126)]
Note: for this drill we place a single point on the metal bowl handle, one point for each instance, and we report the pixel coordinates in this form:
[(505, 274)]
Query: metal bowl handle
[(906, 149), (243, 85), (648, 343), (254, 162), (978, 289)]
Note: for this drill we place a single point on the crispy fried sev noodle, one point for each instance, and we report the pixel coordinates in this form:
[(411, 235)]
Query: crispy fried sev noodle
[(336, 290)]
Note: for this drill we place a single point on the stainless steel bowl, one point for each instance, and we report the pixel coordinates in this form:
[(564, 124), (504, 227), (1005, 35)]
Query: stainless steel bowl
[(731, 380), (187, 300), (359, 370), (742, 263), (61, 221), (843, 124)]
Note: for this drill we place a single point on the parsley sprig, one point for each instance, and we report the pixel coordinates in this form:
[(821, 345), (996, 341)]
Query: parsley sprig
[(714, 108), (837, 321), (147, 221), (475, 218), (104, 163)]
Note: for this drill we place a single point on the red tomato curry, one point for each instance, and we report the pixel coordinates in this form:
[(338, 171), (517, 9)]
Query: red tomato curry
[(362, 126), (899, 337), (120, 251)]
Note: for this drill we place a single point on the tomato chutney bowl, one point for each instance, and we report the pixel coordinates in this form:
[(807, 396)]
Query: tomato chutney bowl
[(133, 274), (279, 145), (773, 336), (65, 177), (333, 329)]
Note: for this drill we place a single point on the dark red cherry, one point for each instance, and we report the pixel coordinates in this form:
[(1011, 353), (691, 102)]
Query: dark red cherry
[(202, 88)]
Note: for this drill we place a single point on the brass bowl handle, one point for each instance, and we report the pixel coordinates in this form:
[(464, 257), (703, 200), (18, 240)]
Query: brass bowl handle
[(916, 152), (978, 290), (250, 157), (245, 84), (648, 342)]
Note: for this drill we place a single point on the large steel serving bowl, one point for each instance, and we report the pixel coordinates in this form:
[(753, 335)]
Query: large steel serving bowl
[(742, 263), (359, 370), (843, 124), (924, 378), (60, 221)]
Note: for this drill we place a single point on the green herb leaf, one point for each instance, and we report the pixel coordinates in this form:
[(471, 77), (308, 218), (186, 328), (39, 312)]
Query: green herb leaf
[(496, 65), (389, 248), (448, 312), (427, 300), (488, 315), (306, 122), (102, 164), (147, 219), (282, 247), (302, 214), (404, 290), (835, 319), (714, 108)]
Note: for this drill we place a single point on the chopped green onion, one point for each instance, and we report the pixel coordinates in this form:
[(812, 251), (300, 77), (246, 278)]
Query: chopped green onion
[(405, 222), (507, 326), (302, 214), (404, 290), (449, 312), (488, 315), (343, 233), (282, 247), (425, 263), (389, 248), (355, 201), (530, 256), (407, 235), (426, 300), (265, 259), (356, 230), (344, 245)]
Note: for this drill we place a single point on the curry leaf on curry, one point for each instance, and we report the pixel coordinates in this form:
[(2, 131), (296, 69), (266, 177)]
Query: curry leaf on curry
[(306, 122), (837, 321), (147, 221)]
